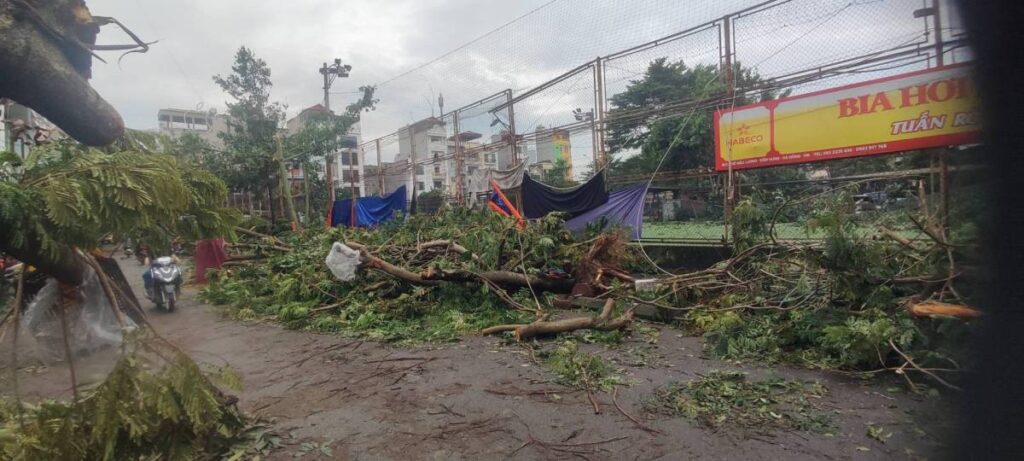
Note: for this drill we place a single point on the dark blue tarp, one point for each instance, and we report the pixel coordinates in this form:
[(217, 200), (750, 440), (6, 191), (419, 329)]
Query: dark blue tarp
[(540, 199), (370, 211), (625, 208)]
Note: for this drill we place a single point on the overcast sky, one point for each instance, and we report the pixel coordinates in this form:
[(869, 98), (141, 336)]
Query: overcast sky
[(385, 38), (198, 38)]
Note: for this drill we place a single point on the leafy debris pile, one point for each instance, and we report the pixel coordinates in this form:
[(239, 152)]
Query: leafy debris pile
[(857, 302), (155, 403), (434, 277), (728, 399)]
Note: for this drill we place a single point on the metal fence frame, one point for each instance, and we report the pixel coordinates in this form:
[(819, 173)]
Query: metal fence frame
[(927, 47)]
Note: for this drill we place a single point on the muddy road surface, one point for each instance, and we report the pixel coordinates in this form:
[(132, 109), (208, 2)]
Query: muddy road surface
[(488, 398)]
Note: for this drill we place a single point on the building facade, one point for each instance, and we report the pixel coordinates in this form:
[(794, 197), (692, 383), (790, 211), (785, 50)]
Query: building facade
[(422, 143), (348, 162), (208, 125), (554, 146)]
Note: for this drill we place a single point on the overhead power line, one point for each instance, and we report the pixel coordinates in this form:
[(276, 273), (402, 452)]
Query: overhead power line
[(464, 45)]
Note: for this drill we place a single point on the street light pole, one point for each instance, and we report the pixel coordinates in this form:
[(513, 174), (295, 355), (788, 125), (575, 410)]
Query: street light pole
[(331, 72)]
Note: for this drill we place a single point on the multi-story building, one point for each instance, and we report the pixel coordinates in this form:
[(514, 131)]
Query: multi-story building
[(503, 153), (208, 125), (553, 145), (348, 164), (424, 144)]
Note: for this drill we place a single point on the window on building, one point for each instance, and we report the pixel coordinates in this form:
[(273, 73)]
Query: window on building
[(350, 175), (438, 185), (437, 153), (437, 139), (489, 158), (437, 169), (419, 186), (350, 158), (419, 169)]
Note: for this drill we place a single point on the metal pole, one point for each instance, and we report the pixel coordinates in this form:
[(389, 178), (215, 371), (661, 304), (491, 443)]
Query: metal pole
[(943, 163), (412, 171), (380, 170), (599, 113), (730, 92), (329, 158), (460, 191), (512, 127), (327, 87), (937, 23), (352, 181)]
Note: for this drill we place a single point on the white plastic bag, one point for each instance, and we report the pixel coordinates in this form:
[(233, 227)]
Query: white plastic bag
[(343, 262), (91, 324)]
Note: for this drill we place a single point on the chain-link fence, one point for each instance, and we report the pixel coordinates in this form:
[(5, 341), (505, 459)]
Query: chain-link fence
[(614, 112)]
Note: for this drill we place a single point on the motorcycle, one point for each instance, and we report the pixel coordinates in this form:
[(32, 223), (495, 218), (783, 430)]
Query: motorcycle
[(163, 283)]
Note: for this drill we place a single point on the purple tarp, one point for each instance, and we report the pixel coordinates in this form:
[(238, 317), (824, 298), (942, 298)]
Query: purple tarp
[(624, 208)]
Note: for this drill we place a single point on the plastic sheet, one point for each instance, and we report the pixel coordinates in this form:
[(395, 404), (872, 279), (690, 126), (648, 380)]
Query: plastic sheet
[(624, 208), (539, 199), (92, 324), (343, 261)]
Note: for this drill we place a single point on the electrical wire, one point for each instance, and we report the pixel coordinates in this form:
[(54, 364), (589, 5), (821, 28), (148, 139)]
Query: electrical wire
[(467, 44)]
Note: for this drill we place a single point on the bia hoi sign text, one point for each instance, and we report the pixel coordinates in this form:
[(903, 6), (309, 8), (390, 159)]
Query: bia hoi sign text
[(928, 108)]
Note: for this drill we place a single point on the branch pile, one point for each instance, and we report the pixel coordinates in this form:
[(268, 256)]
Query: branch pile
[(855, 301), (425, 278)]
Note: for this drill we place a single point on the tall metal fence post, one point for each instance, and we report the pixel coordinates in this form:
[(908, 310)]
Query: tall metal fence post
[(730, 89), (598, 125)]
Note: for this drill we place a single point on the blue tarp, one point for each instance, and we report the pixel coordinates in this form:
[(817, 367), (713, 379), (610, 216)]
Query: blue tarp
[(370, 211), (624, 208)]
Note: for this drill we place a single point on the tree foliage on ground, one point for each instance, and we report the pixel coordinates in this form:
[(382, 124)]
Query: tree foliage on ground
[(842, 303), (156, 403), (295, 287), (666, 82)]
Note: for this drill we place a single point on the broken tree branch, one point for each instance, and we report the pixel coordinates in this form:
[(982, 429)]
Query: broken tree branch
[(601, 322)]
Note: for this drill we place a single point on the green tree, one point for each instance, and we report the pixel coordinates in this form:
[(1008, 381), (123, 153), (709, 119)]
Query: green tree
[(664, 84), (558, 175), (247, 162)]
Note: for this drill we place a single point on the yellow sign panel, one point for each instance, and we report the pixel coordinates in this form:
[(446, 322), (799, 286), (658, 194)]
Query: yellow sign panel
[(929, 108)]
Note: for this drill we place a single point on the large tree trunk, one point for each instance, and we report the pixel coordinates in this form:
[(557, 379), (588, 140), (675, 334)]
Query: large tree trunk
[(48, 74), (66, 267)]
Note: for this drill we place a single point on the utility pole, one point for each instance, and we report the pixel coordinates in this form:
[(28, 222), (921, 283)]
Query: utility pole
[(599, 113), (352, 180), (335, 70), (513, 140), (380, 171), (460, 192)]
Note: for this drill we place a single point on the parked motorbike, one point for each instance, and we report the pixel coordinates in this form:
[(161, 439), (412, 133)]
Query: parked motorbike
[(163, 284)]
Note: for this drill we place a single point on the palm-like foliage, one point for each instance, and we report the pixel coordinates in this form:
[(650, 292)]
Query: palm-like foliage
[(69, 194)]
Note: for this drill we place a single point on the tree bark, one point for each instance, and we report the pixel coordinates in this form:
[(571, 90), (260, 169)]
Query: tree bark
[(66, 267), (602, 322), (50, 76)]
